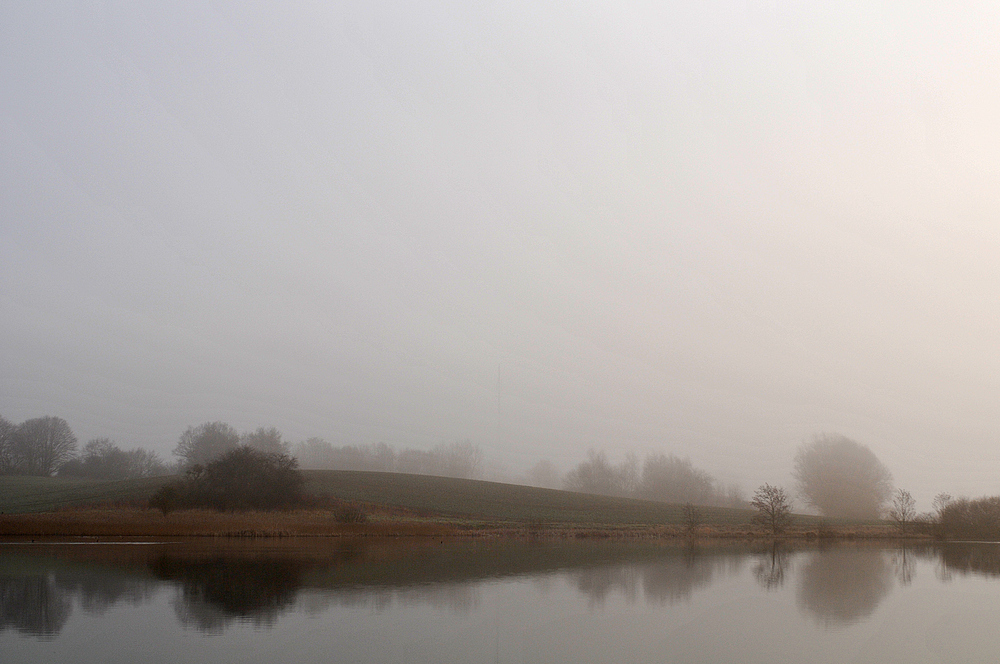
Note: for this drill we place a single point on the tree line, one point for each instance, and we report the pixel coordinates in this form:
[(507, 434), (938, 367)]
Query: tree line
[(462, 459), (663, 477), (44, 446)]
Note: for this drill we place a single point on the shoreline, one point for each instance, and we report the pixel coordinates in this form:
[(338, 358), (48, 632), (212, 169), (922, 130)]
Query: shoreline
[(138, 522)]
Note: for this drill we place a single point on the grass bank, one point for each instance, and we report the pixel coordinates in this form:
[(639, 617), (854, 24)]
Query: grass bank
[(394, 504)]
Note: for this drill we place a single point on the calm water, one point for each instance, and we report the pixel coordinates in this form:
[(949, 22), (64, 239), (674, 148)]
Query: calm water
[(416, 602)]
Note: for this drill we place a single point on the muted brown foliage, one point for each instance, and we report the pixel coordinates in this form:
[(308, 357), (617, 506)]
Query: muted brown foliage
[(842, 478)]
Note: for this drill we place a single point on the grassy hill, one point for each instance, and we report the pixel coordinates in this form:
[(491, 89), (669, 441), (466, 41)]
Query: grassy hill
[(44, 494), (417, 495), (496, 502)]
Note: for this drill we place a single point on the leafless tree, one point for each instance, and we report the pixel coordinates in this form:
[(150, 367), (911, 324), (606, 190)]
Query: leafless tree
[(903, 509), (206, 442), (42, 444), (265, 439), (543, 474), (774, 508), (8, 458), (842, 478), (672, 479), (691, 517)]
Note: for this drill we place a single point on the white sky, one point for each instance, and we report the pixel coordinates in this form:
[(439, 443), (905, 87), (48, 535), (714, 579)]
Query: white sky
[(712, 228)]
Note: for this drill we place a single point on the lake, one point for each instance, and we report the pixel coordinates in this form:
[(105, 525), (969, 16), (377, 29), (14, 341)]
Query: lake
[(328, 600)]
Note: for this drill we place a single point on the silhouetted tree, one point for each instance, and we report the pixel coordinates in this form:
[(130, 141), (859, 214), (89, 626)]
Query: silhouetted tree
[(314, 453), (691, 518), (42, 444), (265, 440), (205, 442), (8, 458), (903, 509), (595, 475), (242, 478), (101, 458), (543, 474), (774, 509), (672, 479), (842, 478)]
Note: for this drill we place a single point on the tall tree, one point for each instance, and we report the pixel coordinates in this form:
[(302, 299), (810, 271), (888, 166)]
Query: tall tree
[(842, 478), (8, 458), (201, 444), (265, 439), (43, 444)]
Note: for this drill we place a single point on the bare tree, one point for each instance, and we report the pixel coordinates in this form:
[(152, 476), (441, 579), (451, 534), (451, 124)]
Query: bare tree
[(8, 458), (205, 442), (595, 475), (43, 444), (903, 509), (266, 440), (842, 478), (672, 479), (543, 474), (774, 508), (691, 517)]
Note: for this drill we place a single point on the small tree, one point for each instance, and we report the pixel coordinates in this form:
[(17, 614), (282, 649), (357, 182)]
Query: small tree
[(903, 509), (691, 517), (774, 509)]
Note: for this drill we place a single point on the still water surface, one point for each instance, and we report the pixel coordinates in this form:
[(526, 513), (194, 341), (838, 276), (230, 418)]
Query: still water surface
[(417, 602)]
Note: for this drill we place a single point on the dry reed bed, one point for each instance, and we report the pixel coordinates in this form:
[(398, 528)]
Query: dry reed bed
[(125, 521), (203, 523)]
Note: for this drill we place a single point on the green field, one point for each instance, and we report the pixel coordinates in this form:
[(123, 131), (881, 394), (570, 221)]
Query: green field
[(496, 502), (419, 495), (19, 494)]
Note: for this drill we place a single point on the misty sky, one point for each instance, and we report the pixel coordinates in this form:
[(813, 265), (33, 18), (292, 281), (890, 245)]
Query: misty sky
[(713, 229)]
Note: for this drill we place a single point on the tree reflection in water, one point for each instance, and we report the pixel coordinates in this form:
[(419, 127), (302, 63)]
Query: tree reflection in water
[(33, 605), (842, 586), (771, 567), (667, 580), (218, 585), (216, 591), (40, 602), (979, 558)]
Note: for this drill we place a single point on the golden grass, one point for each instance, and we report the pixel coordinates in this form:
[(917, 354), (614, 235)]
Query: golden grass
[(126, 521), (133, 522)]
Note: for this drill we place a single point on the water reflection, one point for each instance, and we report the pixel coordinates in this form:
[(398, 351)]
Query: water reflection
[(216, 591), (979, 558), (33, 605), (671, 578), (38, 599), (841, 586), (215, 586), (771, 567)]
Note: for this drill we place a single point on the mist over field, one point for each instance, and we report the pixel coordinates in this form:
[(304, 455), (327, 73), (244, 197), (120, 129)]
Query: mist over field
[(711, 231)]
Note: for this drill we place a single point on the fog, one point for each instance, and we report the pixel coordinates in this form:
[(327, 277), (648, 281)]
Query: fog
[(709, 230)]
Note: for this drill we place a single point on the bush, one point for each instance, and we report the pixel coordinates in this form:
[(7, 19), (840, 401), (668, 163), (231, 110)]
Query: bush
[(350, 513), (977, 519), (241, 479)]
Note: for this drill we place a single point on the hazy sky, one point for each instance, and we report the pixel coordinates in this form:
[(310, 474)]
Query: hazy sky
[(707, 228)]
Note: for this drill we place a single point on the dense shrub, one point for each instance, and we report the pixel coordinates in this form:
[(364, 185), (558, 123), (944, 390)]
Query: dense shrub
[(977, 519), (243, 478)]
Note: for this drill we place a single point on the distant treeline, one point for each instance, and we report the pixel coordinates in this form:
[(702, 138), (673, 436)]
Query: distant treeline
[(461, 459), (663, 477), (46, 445)]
